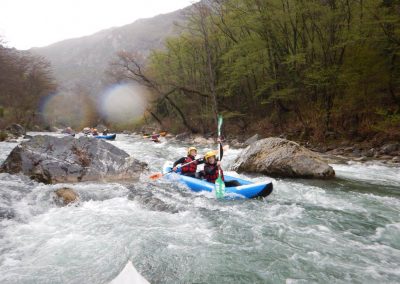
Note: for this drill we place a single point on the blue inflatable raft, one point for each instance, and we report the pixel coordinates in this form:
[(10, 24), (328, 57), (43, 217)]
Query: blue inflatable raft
[(107, 137), (247, 189)]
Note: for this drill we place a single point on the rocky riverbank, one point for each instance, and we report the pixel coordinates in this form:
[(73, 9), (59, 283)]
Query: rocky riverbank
[(333, 152)]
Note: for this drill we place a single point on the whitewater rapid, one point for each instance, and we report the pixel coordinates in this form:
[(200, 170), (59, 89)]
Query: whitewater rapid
[(344, 230)]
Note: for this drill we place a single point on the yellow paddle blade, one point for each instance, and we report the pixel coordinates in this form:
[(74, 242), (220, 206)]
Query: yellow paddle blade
[(156, 176)]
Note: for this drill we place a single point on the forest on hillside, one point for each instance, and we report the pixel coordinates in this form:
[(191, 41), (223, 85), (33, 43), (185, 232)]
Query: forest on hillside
[(24, 81), (318, 69), (31, 97)]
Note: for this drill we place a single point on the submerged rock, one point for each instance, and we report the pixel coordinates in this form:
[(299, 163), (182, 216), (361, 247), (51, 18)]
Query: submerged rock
[(282, 158), (50, 159), (148, 199), (67, 195)]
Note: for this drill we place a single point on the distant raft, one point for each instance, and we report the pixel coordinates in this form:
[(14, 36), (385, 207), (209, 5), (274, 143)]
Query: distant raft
[(129, 275), (247, 189), (107, 137)]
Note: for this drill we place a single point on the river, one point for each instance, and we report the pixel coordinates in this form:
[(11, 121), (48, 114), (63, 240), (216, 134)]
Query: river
[(307, 231)]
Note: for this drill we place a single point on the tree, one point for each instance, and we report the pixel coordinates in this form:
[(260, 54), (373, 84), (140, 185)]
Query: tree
[(24, 81)]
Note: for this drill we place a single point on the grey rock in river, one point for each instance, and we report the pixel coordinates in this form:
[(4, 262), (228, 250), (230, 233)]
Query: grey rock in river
[(282, 158), (50, 159)]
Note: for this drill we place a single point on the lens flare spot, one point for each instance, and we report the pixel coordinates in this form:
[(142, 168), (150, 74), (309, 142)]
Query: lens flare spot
[(123, 103), (68, 109)]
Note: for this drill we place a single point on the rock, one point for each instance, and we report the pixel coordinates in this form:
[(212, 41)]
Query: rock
[(338, 151), (356, 152), (53, 129), (182, 136), (50, 159), (282, 158), (348, 149), (235, 143), (200, 140), (3, 135), (251, 140), (333, 159), (148, 200), (370, 153), (386, 157), (331, 135), (389, 148), (319, 149), (37, 128), (67, 195), (6, 213), (11, 138), (101, 127), (361, 159), (210, 141), (68, 130), (396, 159), (16, 130)]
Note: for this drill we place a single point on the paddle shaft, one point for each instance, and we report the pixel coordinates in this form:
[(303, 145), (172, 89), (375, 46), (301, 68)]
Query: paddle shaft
[(219, 183)]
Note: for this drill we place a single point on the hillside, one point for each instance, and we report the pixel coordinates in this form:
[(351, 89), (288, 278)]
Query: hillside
[(82, 61)]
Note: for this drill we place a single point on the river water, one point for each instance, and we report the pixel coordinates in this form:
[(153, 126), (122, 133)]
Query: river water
[(306, 231)]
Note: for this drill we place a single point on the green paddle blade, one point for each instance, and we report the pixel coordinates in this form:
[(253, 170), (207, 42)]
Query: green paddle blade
[(219, 188), (219, 124)]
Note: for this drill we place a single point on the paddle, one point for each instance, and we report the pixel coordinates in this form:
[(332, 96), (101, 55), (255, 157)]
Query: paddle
[(219, 183)]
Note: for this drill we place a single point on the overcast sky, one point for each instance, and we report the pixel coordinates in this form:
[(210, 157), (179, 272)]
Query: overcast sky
[(33, 23)]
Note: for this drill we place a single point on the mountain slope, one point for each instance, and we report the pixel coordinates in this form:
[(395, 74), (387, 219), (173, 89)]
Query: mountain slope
[(82, 61)]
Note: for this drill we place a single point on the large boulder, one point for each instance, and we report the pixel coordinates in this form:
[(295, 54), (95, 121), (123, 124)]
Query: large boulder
[(282, 158), (49, 159)]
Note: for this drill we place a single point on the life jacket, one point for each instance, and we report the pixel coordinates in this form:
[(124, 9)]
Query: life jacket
[(212, 177), (191, 168)]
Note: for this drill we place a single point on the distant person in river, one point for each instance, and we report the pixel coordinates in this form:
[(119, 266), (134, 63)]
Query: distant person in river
[(94, 132), (105, 131), (190, 169), (211, 168), (154, 137)]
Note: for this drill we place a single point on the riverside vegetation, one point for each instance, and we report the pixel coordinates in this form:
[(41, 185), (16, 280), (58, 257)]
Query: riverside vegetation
[(314, 70)]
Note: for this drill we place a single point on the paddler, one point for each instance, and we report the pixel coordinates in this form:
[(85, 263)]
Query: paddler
[(154, 137), (211, 167), (190, 169)]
